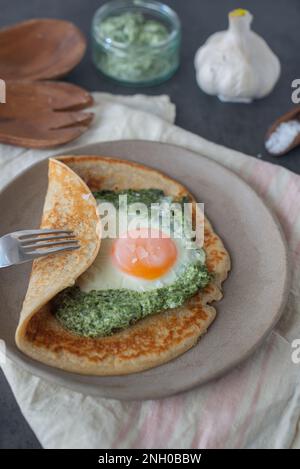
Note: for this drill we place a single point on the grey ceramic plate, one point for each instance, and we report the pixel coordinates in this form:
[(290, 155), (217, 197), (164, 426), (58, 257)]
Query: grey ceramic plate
[(254, 294)]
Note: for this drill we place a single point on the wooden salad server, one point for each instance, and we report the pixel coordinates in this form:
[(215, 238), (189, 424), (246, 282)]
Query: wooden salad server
[(40, 49), (43, 114)]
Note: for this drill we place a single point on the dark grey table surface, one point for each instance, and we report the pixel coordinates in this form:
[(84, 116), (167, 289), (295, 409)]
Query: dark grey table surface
[(239, 126)]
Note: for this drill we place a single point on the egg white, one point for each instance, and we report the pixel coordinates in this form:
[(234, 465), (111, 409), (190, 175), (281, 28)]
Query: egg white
[(104, 274)]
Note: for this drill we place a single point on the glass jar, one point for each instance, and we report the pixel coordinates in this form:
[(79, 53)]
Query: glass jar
[(136, 42)]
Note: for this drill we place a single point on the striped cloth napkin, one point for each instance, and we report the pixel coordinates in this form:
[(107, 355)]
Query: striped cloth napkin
[(257, 405)]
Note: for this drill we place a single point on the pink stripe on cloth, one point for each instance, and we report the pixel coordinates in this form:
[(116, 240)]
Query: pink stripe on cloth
[(220, 410), (296, 251), (289, 205), (285, 203), (155, 431), (125, 428), (175, 415), (262, 377), (261, 176)]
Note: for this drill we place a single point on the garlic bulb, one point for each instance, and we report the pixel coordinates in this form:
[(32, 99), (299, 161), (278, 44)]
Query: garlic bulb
[(237, 65)]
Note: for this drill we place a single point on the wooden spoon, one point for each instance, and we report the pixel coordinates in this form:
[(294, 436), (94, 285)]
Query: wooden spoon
[(40, 49), (292, 115), (43, 114)]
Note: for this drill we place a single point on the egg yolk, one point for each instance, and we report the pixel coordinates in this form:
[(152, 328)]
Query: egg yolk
[(147, 257)]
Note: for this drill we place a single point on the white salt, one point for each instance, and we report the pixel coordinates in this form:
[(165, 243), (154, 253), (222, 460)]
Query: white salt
[(284, 135)]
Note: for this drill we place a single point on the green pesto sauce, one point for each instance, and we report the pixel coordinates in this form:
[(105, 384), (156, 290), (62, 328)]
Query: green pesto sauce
[(103, 312), (135, 48), (145, 196), (133, 29)]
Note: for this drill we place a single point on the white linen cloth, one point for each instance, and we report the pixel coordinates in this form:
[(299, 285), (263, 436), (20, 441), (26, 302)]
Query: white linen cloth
[(257, 405)]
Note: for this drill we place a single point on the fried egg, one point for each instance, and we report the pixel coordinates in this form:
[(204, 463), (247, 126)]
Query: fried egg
[(141, 259)]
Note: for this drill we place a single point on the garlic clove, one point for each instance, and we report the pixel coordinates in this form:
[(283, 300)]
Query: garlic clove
[(237, 65)]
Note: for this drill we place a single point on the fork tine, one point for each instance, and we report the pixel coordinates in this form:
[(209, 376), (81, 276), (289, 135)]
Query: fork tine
[(25, 241), (28, 233), (41, 253), (32, 247)]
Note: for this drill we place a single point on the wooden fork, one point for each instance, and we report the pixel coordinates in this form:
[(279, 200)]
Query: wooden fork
[(43, 114)]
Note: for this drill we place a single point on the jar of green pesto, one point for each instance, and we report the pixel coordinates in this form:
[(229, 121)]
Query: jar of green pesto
[(136, 42)]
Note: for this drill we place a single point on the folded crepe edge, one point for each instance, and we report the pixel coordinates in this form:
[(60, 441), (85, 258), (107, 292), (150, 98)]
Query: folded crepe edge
[(69, 204)]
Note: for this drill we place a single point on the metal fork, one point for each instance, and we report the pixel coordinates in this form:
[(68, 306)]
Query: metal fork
[(24, 246)]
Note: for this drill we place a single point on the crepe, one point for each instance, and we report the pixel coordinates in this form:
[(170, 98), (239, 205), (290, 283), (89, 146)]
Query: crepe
[(151, 341)]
